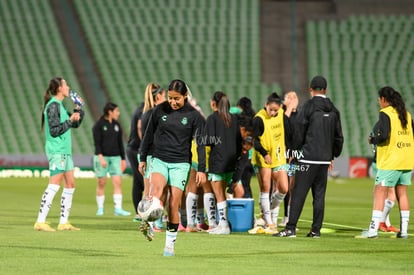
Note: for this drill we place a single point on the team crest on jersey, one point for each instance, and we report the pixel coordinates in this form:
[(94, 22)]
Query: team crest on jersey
[(184, 121), (164, 118), (105, 128), (116, 128)]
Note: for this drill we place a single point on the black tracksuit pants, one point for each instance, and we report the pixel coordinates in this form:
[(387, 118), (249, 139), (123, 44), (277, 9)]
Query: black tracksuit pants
[(138, 181), (314, 177)]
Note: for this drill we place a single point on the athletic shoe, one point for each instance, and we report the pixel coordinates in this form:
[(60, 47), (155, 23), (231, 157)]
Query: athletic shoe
[(313, 235), (286, 233), (181, 228), (158, 224), (202, 227), (100, 211), (211, 228), (393, 229), (366, 235), (191, 228), (220, 230), (399, 235), (382, 227), (270, 229), (146, 230), (43, 226), (259, 222), (157, 230), (168, 251), (67, 227), (284, 221), (121, 212), (137, 218), (256, 230)]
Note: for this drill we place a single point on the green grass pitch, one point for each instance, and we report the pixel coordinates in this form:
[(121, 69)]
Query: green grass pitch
[(113, 245)]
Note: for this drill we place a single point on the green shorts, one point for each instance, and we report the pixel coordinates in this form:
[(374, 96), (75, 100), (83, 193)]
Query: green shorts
[(391, 178), (284, 167), (148, 169), (60, 163), (176, 174), (226, 177), (113, 166)]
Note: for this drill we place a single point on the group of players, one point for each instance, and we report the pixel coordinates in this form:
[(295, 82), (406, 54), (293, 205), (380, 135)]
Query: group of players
[(191, 163)]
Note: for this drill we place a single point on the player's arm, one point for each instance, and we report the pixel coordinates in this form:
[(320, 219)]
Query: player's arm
[(56, 128)]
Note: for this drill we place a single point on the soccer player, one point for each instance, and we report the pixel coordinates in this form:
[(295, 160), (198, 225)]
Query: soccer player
[(224, 139), (109, 157), (57, 122), (395, 148), (171, 128), (269, 160)]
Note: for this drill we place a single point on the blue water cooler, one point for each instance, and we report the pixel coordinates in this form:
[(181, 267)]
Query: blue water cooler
[(240, 213)]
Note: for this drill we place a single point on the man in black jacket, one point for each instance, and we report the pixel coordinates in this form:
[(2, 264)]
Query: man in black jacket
[(318, 139)]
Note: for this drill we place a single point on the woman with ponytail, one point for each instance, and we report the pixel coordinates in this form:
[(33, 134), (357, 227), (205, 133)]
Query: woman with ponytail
[(269, 161), (223, 137), (395, 149), (57, 122)]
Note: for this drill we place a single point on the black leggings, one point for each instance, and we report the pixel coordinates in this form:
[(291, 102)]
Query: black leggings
[(138, 181)]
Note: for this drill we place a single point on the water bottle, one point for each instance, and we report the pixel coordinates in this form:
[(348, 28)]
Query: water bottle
[(76, 98)]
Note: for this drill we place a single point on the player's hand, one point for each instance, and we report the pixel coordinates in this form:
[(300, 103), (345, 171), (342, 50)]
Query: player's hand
[(200, 178), (268, 159), (142, 167), (74, 117), (123, 165)]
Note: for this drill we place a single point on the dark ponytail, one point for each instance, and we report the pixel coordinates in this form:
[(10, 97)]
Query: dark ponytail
[(395, 99), (274, 98), (223, 107), (52, 89)]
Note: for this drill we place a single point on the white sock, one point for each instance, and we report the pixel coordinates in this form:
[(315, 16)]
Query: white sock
[(376, 217), (46, 202), (265, 206), (222, 209), (405, 217), (170, 238), (191, 207), (66, 204), (276, 199), (388, 205), (274, 213), (117, 201), (200, 216), (100, 200), (210, 206)]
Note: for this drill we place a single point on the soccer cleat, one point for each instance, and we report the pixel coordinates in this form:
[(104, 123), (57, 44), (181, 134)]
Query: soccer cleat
[(121, 212), (191, 228), (137, 218), (100, 211), (221, 230), (146, 230), (393, 229), (67, 227), (259, 222), (158, 224), (366, 235), (286, 233), (382, 227), (181, 228), (202, 227), (43, 226), (270, 229), (399, 235), (313, 235), (212, 228), (168, 251), (284, 221), (256, 230)]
